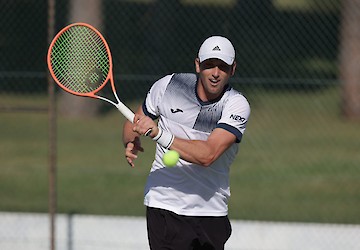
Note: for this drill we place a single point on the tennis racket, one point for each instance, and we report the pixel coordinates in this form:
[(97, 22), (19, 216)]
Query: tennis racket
[(79, 60)]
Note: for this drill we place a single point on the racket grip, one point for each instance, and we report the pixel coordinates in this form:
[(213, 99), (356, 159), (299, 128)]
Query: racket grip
[(126, 112), (129, 115)]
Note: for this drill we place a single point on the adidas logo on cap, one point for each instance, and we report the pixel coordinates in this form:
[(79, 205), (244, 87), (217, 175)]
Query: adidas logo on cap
[(216, 48)]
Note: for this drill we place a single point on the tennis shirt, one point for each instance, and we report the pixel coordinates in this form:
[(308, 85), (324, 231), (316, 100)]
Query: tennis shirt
[(190, 189)]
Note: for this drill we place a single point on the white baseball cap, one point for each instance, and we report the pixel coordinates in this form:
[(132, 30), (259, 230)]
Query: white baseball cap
[(217, 47)]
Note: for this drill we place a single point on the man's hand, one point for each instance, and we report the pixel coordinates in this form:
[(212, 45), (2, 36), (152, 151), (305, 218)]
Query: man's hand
[(143, 124), (132, 149)]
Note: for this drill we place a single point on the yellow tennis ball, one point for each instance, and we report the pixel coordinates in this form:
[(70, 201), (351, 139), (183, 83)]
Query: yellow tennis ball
[(170, 158)]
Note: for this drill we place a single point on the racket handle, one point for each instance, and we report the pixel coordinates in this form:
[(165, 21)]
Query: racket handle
[(126, 112), (129, 115)]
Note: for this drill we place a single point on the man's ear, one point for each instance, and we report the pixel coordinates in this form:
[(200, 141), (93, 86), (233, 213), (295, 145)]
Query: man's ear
[(197, 65), (233, 68)]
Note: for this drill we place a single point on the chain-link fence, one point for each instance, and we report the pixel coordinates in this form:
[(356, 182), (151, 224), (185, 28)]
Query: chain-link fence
[(300, 156)]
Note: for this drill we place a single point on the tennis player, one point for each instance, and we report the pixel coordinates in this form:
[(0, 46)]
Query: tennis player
[(203, 118)]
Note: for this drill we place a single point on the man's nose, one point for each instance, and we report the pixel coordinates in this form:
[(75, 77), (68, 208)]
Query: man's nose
[(216, 72)]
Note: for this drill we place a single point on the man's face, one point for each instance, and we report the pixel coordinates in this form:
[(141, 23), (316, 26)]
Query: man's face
[(214, 74)]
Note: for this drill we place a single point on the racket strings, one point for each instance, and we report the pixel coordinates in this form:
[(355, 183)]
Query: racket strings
[(80, 60)]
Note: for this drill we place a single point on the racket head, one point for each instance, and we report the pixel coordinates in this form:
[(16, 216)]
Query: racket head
[(79, 60)]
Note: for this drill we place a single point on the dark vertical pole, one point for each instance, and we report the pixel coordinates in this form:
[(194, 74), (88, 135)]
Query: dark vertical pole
[(52, 134), (349, 59)]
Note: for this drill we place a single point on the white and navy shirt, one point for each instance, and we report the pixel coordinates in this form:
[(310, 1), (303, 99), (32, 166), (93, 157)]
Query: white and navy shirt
[(187, 188)]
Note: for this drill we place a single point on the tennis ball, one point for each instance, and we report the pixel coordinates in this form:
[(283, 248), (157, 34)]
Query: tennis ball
[(170, 158)]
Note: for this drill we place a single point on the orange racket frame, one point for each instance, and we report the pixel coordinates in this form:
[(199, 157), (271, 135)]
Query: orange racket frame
[(120, 106)]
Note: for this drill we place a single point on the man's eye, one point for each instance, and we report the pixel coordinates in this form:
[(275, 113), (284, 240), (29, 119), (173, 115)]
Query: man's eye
[(224, 67), (208, 66)]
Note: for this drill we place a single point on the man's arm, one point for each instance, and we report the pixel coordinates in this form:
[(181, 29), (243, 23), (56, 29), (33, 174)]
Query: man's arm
[(196, 151), (204, 153)]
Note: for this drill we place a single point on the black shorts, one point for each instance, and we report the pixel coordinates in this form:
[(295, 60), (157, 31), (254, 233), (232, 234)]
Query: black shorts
[(167, 230)]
